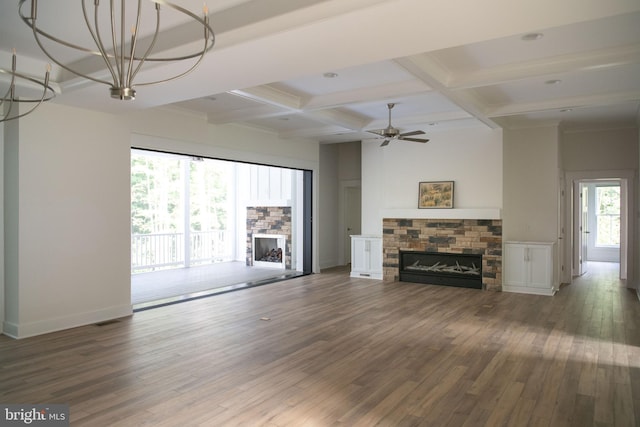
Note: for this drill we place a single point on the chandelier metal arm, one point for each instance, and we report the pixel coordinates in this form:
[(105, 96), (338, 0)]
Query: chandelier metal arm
[(134, 42), (144, 57), (208, 35), (10, 95), (31, 22), (97, 40), (11, 98)]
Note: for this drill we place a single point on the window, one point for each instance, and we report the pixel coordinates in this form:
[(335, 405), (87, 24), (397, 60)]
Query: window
[(608, 215)]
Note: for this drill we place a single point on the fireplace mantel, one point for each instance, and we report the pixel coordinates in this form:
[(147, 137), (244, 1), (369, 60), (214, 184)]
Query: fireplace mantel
[(485, 213)]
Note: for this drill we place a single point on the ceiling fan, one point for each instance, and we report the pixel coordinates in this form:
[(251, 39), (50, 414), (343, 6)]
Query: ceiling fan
[(390, 133)]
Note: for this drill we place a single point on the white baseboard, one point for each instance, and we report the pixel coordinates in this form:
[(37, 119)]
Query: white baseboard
[(324, 264), (528, 290), (25, 330)]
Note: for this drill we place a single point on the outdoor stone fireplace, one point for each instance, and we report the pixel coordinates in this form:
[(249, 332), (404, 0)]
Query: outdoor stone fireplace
[(479, 237), (264, 222), (268, 250)]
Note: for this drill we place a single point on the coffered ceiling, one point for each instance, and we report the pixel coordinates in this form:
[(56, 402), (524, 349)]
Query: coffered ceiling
[(325, 69)]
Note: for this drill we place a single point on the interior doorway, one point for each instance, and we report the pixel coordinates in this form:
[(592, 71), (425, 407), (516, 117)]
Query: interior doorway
[(583, 214), (351, 216)]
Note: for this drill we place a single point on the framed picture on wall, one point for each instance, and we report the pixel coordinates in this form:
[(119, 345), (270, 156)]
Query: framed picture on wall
[(435, 195)]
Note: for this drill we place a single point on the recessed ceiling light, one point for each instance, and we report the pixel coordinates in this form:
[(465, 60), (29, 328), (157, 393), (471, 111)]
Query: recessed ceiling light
[(553, 82), (532, 36), (330, 75)]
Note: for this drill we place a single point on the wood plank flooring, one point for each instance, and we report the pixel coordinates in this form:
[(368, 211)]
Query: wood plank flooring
[(328, 350)]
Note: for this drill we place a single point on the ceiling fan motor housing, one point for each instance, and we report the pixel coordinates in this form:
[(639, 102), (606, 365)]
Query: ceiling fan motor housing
[(391, 132)]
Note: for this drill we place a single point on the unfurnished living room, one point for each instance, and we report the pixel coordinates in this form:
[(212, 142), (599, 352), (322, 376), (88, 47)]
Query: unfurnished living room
[(446, 192)]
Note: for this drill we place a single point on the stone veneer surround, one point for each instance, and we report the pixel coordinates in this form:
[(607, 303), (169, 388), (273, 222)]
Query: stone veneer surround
[(468, 236), (269, 220)]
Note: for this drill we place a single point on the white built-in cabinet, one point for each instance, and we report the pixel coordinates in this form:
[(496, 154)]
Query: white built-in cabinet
[(528, 268), (366, 256)]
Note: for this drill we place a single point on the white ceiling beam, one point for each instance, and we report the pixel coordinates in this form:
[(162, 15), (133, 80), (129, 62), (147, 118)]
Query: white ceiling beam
[(424, 68), (267, 94), (438, 117), (368, 94), (573, 63), (314, 132), (251, 113), (338, 117), (559, 104)]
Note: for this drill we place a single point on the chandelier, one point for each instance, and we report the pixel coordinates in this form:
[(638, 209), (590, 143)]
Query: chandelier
[(122, 51), (11, 98)]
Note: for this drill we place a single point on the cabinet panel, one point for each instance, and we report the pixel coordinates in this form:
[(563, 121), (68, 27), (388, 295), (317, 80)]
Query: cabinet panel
[(514, 266), (539, 258), (359, 255), (366, 257), (528, 268)]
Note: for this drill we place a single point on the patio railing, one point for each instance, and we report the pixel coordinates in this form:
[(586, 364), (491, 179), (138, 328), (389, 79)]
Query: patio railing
[(163, 250)]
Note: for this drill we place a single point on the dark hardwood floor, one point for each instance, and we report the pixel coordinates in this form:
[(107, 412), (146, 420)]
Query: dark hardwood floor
[(328, 350)]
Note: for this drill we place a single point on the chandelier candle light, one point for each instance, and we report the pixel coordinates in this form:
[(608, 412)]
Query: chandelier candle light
[(120, 57), (11, 98)]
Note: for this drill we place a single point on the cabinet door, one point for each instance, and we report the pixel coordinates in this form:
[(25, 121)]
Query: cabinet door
[(540, 266), (359, 255), (375, 255), (515, 265)]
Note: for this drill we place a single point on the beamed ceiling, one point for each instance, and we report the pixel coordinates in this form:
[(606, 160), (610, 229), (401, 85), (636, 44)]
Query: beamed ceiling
[(445, 64)]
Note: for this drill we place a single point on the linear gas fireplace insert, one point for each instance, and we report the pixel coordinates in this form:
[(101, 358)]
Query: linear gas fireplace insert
[(438, 268)]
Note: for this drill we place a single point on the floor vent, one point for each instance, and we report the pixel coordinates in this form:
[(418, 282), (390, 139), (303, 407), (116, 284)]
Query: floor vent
[(107, 322)]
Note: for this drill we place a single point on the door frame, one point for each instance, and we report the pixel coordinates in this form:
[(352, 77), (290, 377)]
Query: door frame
[(342, 216), (627, 203), (598, 253)]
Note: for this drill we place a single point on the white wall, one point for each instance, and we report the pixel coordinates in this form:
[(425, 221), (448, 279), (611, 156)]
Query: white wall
[(340, 166), (472, 158), (531, 184), (328, 205), (609, 153), (70, 248), (600, 150), (69, 260)]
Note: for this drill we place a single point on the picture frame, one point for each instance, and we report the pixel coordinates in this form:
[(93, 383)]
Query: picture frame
[(435, 195)]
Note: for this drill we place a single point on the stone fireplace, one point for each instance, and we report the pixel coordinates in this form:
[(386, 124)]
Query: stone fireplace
[(265, 222), (268, 250), (478, 237)]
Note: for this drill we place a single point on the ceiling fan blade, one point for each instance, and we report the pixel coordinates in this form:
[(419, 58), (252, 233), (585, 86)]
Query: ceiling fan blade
[(415, 132), (385, 142), (377, 132), (413, 139)]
